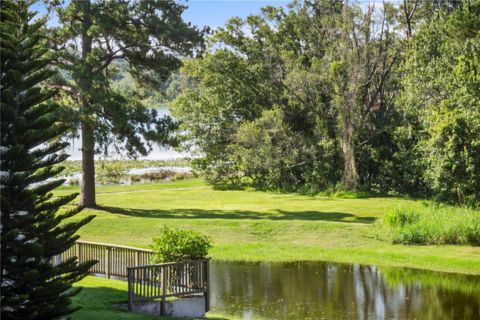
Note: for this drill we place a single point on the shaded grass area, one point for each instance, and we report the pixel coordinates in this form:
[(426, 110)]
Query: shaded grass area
[(266, 226), (278, 214), (106, 299)]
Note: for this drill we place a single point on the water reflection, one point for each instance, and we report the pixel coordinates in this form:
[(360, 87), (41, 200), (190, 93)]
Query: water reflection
[(340, 291)]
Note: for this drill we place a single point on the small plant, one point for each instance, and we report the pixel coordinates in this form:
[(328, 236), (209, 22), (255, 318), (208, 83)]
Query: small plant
[(73, 181), (158, 175), (179, 245), (183, 175), (135, 178)]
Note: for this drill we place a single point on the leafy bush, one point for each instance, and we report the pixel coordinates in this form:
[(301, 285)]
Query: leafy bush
[(431, 225), (179, 245)]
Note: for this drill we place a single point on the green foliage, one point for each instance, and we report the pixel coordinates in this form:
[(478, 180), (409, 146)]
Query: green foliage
[(100, 42), (252, 112), (441, 103), (118, 65), (34, 228), (432, 225), (263, 148), (283, 108), (179, 245)]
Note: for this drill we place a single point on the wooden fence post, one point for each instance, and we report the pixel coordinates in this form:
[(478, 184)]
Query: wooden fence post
[(137, 258), (207, 285), (77, 252), (130, 289), (164, 290), (107, 262)]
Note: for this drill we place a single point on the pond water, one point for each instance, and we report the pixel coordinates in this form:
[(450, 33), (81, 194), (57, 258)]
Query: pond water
[(319, 290)]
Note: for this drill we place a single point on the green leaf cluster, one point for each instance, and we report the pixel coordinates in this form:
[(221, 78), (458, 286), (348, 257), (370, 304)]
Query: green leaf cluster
[(179, 245)]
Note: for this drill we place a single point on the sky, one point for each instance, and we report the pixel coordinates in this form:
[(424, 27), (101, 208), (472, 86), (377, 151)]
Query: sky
[(213, 13)]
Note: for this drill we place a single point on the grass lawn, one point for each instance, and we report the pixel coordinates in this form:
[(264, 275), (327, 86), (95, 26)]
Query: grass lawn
[(106, 299), (264, 226)]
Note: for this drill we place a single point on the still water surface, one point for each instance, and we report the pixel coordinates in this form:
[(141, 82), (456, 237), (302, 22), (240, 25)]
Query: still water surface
[(319, 290)]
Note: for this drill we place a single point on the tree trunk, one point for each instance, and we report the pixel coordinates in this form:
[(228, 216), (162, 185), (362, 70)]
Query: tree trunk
[(348, 148), (87, 195), (87, 188)]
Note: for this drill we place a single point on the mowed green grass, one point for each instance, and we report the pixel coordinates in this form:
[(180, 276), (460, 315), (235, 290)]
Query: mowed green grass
[(264, 226)]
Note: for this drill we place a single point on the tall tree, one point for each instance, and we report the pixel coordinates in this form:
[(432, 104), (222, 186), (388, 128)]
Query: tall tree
[(324, 66), (150, 36), (362, 58), (33, 228)]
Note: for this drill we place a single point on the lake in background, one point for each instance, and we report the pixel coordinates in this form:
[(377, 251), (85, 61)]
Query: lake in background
[(320, 290), (158, 152)]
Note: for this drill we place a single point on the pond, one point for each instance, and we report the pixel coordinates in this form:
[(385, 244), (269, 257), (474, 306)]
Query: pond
[(319, 290)]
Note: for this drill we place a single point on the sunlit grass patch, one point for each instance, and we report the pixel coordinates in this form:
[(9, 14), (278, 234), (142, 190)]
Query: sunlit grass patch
[(264, 226)]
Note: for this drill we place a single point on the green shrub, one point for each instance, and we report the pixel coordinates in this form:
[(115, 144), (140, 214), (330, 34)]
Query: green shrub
[(401, 217), (431, 225), (179, 245)]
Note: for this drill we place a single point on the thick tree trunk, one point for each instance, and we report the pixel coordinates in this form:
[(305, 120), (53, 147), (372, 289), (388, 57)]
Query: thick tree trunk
[(87, 196), (348, 148), (87, 190)]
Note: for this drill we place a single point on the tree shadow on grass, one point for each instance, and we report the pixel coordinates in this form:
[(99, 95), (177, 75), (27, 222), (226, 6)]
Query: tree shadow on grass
[(278, 215)]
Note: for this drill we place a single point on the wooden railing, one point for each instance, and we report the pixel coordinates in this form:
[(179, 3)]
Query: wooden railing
[(112, 260), (146, 282), (160, 281)]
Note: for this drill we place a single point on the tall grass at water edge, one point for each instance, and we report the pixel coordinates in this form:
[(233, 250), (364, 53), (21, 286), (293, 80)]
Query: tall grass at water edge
[(433, 224)]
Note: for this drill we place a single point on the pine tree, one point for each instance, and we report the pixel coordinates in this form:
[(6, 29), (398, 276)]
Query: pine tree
[(33, 226), (149, 37)]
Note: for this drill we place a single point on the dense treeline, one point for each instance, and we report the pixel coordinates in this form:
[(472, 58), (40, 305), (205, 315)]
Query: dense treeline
[(331, 95)]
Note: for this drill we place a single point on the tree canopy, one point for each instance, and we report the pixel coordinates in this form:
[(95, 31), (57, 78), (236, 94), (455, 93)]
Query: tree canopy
[(327, 94)]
